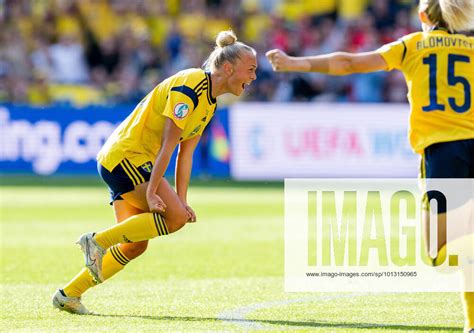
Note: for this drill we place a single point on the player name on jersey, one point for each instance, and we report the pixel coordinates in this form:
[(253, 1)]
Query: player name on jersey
[(443, 41)]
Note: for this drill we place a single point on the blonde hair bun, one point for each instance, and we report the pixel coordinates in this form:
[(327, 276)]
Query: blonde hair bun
[(226, 38)]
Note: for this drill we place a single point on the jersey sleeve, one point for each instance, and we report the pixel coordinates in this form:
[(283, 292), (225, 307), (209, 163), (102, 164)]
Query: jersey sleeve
[(393, 54), (182, 100)]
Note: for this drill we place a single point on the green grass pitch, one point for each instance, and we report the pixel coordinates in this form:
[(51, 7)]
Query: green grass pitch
[(223, 273)]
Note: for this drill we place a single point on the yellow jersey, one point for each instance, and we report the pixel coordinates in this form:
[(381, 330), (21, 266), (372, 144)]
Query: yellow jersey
[(185, 98), (439, 71)]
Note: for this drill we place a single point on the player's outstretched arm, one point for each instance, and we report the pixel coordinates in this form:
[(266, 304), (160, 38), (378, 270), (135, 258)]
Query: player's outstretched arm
[(338, 63)]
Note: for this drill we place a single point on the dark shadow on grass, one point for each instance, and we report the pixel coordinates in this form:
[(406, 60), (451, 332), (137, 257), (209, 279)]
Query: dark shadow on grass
[(302, 324)]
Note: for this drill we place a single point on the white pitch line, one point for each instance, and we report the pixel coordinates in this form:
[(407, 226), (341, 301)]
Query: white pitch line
[(237, 316)]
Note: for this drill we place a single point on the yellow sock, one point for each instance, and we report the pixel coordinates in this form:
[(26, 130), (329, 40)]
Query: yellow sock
[(134, 229), (113, 262), (79, 284), (468, 305)]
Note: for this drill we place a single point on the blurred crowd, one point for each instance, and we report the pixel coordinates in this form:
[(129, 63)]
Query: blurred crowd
[(115, 51)]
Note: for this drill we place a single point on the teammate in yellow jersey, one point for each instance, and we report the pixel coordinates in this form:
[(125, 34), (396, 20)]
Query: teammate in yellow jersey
[(438, 64), (135, 157)]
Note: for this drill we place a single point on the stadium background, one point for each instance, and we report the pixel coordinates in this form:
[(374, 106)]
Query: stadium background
[(71, 70)]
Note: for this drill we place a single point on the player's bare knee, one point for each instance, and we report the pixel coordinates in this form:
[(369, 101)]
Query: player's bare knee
[(177, 222), (175, 226), (183, 217), (133, 250)]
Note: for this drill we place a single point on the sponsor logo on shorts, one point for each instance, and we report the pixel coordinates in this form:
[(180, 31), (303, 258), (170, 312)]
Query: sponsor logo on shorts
[(181, 110)]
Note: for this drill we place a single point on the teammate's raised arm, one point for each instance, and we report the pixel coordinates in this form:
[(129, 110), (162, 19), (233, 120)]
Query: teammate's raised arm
[(338, 63)]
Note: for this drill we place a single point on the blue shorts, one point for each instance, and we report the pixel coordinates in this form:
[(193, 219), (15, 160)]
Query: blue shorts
[(124, 177), (454, 159)]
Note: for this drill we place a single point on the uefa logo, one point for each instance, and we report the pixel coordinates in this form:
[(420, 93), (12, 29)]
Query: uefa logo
[(181, 110)]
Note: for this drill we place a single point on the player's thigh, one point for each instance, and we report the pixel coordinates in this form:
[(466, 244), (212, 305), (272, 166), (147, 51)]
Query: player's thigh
[(437, 229), (123, 210), (137, 197), (175, 214)]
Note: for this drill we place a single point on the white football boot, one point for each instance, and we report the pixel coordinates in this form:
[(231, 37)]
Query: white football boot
[(69, 304), (93, 254)]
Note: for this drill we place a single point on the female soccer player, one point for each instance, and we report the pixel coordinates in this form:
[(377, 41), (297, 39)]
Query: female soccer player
[(438, 64), (135, 157)]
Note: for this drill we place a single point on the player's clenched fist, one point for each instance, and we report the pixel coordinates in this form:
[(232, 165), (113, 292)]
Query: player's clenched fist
[(155, 203), (279, 60), (191, 214)]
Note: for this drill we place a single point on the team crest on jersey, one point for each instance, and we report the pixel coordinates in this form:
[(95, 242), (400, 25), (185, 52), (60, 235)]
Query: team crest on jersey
[(146, 166), (181, 110)]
